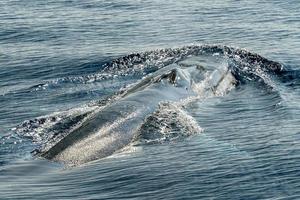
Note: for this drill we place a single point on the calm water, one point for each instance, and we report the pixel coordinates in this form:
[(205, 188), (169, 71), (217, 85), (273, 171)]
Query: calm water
[(58, 59)]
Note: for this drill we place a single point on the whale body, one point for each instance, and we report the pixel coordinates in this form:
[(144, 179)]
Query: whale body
[(113, 127), (134, 114)]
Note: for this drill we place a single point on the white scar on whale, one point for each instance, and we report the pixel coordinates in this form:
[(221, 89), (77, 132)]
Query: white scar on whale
[(114, 126)]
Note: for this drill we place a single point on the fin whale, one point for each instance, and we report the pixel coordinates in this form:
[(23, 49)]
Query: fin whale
[(113, 127), (176, 77)]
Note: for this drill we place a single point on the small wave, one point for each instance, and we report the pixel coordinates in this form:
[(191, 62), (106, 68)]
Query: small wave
[(291, 78)]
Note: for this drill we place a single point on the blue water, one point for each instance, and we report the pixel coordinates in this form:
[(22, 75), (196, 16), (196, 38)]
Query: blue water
[(58, 59)]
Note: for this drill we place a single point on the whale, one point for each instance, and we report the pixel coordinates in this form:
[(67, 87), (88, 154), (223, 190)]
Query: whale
[(165, 81), (113, 127)]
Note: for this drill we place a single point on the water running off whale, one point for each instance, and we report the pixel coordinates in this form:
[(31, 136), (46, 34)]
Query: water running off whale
[(178, 77)]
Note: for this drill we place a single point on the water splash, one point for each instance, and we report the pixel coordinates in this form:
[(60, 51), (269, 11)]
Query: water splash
[(169, 122)]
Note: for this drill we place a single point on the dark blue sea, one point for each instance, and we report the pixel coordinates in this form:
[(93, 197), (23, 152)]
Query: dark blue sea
[(148, 99)]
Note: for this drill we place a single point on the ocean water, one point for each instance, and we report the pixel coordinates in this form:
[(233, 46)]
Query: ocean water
[(62, 60)]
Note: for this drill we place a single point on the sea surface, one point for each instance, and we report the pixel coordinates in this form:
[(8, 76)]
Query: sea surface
[(61, 60)]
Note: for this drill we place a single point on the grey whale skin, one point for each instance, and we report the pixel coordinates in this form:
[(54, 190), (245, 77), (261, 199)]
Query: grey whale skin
[(111, 128)]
